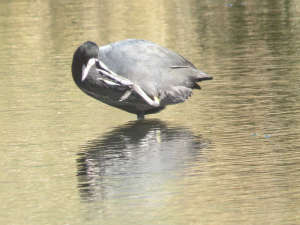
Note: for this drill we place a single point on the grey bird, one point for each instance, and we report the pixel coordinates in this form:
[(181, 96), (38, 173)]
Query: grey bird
[(135, 75)]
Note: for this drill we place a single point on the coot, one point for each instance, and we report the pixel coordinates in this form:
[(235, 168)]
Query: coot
[(135, 75)]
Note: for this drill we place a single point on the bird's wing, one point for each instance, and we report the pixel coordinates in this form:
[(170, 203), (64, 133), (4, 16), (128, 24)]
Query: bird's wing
[(110, 78)]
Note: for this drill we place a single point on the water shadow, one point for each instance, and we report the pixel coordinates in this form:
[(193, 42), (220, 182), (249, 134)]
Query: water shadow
[(135, 159)]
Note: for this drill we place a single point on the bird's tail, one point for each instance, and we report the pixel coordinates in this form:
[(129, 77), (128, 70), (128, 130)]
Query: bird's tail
[(203, 76)]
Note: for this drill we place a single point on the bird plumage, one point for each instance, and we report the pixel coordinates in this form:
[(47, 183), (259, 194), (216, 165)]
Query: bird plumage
[(135, 75)]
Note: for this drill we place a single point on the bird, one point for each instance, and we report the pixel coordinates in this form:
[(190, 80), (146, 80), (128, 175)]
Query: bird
[(135, 75)]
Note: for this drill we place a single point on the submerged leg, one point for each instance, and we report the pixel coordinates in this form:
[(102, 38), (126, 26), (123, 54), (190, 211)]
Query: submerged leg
[(140, 116)]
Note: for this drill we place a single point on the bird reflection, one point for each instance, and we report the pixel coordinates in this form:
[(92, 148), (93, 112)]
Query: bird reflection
[(135, 159)]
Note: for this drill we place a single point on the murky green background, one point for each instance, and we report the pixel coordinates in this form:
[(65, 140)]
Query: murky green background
[(229, 155)]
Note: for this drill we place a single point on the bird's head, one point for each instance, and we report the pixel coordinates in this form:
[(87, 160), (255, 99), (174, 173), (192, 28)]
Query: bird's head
[(84, 57)]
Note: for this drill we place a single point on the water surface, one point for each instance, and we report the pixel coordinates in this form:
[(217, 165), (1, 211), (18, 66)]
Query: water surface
[(229, 155)]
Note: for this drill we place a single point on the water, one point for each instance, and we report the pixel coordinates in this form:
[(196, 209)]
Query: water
[(229, 155)]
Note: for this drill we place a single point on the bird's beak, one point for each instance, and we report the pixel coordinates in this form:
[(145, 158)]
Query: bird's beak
[(86, 68), (84, 72)]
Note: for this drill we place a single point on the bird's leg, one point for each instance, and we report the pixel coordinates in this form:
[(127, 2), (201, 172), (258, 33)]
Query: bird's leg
[(154, 103), (101, 68), (126, 95), (123, 81), (140, 116)]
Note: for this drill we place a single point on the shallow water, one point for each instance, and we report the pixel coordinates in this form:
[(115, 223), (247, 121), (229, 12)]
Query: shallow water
[(228, 155)]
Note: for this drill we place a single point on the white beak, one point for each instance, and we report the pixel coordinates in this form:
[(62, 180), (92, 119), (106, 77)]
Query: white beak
[(86, 69)]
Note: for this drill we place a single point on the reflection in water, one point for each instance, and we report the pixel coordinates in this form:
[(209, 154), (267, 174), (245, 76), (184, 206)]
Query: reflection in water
[(135, 159)]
